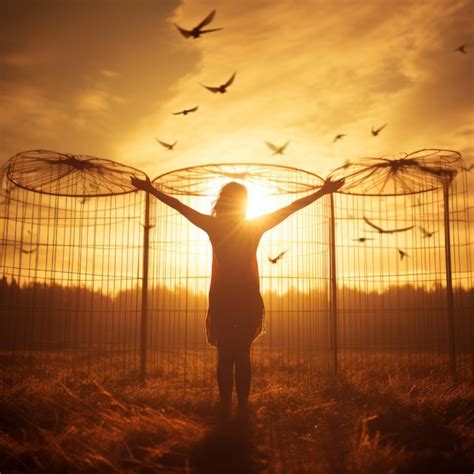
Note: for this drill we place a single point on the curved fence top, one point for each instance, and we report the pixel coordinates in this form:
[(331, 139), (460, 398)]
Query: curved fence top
[(412, 173), (201, 180), (64, 174)]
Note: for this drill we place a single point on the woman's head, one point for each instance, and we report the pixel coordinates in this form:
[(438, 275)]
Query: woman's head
[(231, 201)]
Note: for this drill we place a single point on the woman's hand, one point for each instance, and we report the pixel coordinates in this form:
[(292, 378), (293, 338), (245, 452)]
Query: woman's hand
[(143, 184), (330, 186)]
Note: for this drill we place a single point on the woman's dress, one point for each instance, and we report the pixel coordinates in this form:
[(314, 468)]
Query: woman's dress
[(235, 303)]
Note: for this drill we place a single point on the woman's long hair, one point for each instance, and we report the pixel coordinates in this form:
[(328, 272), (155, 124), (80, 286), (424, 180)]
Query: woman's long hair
[(231, 201)]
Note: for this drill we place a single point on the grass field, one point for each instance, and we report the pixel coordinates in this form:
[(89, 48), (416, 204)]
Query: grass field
[(366, 423)]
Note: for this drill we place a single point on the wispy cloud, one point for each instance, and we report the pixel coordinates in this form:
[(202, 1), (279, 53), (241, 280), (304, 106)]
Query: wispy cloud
[(29, 119), (91, 63), (306, 71), (109, 73), (97, 100)]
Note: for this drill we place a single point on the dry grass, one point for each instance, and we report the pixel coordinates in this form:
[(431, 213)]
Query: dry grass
[(361, 425), (88, 427)]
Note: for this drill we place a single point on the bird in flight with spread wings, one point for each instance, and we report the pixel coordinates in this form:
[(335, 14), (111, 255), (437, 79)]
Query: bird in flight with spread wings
[(29, 251), (402, 254), (362, 239), (376, 131), (278, 257), (169, 146), (338, 137), (197, 31), (386, 231), (462, 48), (186, 111), (277, 150), (222, 88), (426, 233)]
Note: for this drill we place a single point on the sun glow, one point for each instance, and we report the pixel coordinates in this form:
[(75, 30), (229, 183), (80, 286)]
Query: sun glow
[(259, 202)]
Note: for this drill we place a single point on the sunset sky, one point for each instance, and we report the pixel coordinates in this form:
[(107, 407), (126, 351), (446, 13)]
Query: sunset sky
[(103, 78)]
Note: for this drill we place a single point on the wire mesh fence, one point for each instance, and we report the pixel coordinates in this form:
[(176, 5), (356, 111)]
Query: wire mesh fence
[(100, 278), (71, 258), (404, 264), (295, 287)]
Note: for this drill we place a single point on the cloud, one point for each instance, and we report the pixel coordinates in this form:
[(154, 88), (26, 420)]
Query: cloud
[(109, 73), (305, 71), (93, 101), (101, 66), (97, 100), (358, 65), (29, 120)]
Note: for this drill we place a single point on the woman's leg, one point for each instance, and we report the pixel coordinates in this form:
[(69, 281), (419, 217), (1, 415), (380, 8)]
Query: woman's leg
[(243, 373), (225, 369)]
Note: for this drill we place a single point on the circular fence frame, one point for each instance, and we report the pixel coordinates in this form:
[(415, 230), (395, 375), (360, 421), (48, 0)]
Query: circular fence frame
[(406, 173), (71, 252), (295, 286), (423, 193), (65, 174)]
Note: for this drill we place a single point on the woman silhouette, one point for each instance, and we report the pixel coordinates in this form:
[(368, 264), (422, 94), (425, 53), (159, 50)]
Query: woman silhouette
[(235, 313)]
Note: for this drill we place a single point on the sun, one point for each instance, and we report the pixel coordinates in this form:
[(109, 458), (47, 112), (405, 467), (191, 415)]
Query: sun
[(259, 201)]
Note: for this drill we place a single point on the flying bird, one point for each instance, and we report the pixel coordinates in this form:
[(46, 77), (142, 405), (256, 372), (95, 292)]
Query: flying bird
[(222, 88), (386, 231), (461, 49), (169, 146), (426, 233), (197, 31), (402, 254), (277, 150), (376, 131), (278, 257), (28, 251), (362, 239), (186, 111), (338, 137)]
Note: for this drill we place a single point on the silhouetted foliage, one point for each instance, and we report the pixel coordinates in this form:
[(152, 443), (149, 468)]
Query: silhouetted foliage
[(54, 317)]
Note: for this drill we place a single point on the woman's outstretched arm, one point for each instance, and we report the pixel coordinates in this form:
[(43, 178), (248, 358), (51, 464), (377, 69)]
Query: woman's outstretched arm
[(267, 221), (197, 218)]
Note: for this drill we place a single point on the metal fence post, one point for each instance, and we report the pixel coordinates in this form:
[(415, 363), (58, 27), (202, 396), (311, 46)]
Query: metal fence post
[(144, 312), (449, 280), (333, 288)]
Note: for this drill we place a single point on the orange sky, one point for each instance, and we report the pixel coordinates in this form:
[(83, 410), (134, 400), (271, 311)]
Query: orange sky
[(102, 78)]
